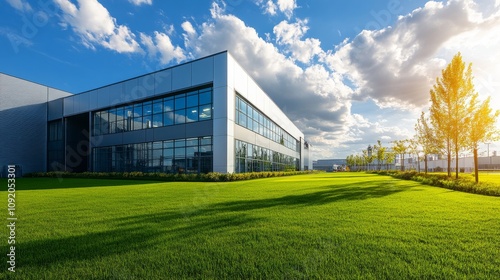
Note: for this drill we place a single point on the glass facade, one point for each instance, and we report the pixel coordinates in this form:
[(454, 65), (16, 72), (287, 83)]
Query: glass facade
[(191, 155), (179, 108), (251, 118), (253, 158)]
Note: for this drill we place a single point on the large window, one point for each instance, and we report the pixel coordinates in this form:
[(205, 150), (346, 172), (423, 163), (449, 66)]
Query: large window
[(180, 108), (191, 155), (251, 118), (253, 158)]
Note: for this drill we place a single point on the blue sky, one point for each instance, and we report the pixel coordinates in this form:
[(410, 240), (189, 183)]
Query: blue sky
[(348, 73)]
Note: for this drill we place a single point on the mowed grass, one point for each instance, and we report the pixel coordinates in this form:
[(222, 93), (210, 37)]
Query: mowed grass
[(491, 177), (331, 225)]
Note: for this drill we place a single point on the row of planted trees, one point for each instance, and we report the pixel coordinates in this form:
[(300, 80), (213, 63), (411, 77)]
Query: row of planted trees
[(457, 121), (378, 157)]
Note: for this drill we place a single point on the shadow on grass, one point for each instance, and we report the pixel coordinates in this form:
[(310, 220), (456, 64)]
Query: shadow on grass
[(138, 234), (69, 183), (333, 193), (182, 226)]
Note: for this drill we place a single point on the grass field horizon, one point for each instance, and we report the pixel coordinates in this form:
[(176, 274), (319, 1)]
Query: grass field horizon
[(329, 225)]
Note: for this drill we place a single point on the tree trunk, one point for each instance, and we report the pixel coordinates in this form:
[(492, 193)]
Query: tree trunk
[(418, 163), (449, 164), (425, 163), (403, 163), (456, 164), (476, 165)]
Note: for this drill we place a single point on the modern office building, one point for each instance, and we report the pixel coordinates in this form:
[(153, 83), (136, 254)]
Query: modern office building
[(201, 116)]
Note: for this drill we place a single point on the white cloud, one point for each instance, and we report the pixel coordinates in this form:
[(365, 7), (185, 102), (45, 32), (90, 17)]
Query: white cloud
[(161, 46), (290, 35), (272, 7), (396, 66), (20, 5), (141, 2), (93, 23), (188, 28), (287, 6), (289, 85)]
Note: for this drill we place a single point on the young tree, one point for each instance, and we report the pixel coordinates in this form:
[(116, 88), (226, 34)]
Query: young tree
[(368, 156), (389, 158), (425, 137), (350, 162), (379, 153), (452, 100), (482, 129), (400, 148), (413, 150), (359, 162)]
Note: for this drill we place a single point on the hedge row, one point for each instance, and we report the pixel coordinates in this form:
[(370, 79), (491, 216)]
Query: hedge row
[(204, 177), (443, 181)]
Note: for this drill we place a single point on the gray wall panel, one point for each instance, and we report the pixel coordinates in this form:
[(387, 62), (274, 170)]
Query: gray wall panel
[(131, 137), (223, 73), (198, 129), (146, 85), (69, 108), (57, 94), (109, 140), (116, 95), (149, 135), (163, 81), (181, 76), (82, 103), (93, 96), (55, 109), (203, 71), (23, 122), (170, 132)]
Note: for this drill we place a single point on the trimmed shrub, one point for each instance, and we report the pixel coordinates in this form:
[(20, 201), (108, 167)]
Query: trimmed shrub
[(186, 177), (443, 181)]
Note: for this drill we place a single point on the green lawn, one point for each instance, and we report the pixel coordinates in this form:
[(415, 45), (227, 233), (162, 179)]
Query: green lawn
[(330, 225), (492, 177)]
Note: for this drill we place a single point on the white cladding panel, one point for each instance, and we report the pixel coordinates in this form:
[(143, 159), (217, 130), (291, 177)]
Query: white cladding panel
[(240, 79)]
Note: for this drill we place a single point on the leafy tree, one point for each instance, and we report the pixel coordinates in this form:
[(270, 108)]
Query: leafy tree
[(379, 153), (350, 161), (482, 129), (413, 150), (358, 161), (426, 138), (400, 148), (452, 100), (368, 157), (389, 157)]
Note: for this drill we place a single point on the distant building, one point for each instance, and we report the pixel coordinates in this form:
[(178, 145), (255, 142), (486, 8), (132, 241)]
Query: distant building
[(329, 165), (465, 164)]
